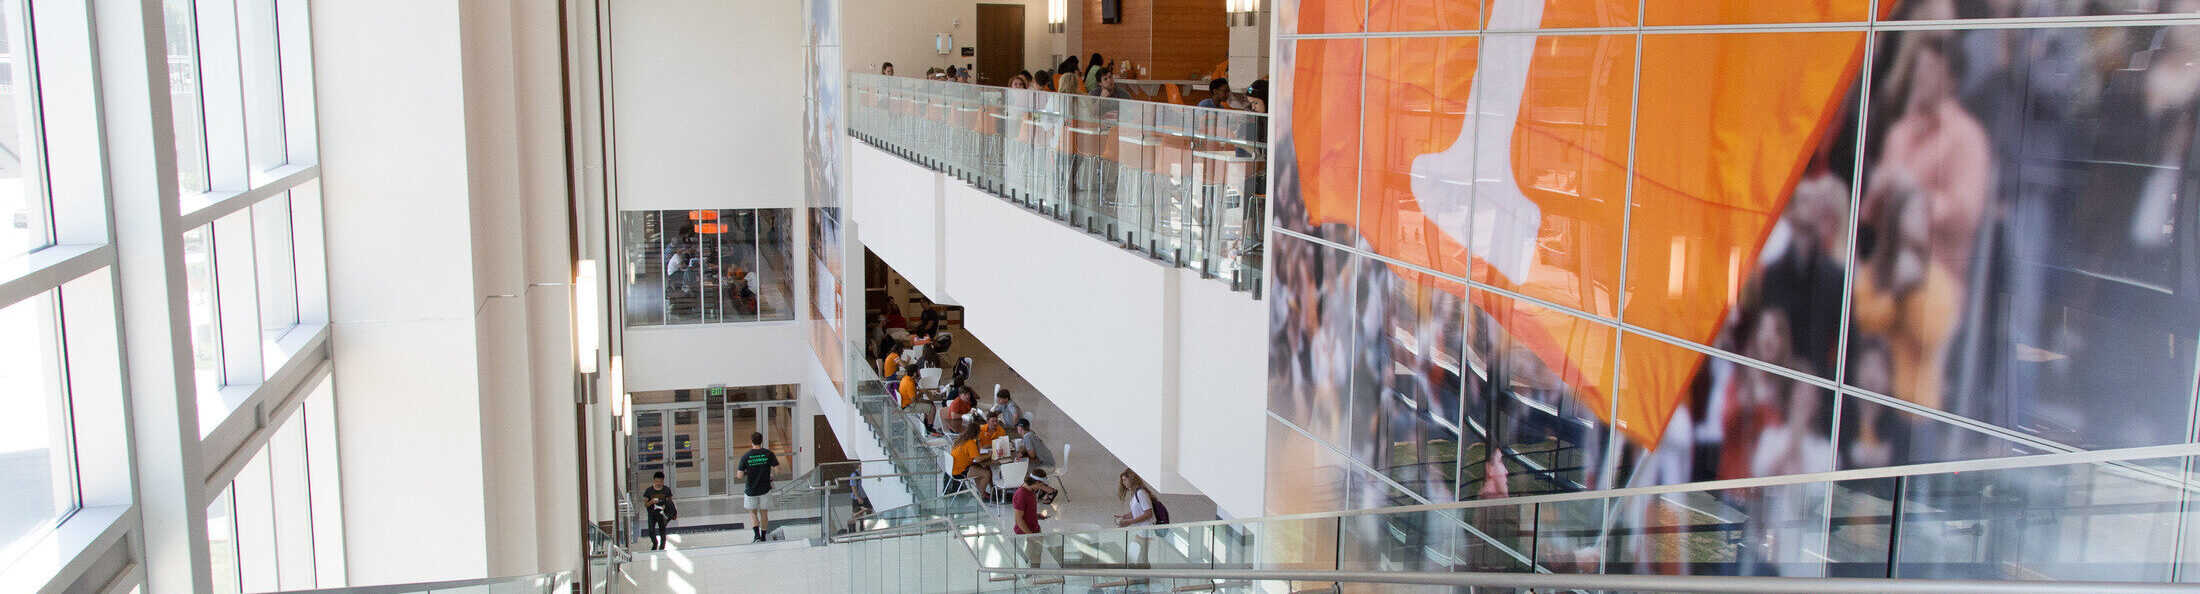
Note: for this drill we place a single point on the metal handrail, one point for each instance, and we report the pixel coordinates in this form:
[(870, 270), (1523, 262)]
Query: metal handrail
[(1609, 582), (557, 582), (2016, 462), (894, 532)]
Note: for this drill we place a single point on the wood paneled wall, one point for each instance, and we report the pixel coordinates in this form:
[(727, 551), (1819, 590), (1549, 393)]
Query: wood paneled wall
[(1172, 39)]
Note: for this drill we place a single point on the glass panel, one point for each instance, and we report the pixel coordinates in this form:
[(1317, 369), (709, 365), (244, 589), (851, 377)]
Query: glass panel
[(1777, 531), (263, 85), (1535, 408), (779, 437), (708, 266), (1547, 222), (1555, 14), (687, 435), (646, 257), (1742, 422), (1311, 319), (22, 195), (1416, 199), (185, 95), (1304, 475), (1745, 12), (774, 269), (198, 268), (221, 541), (1977, 9), (1704, 245), (275, 255), (736, 265), (1423, 15), (2098, 522), (723, 451), (1416, 344), (1875, 435), (1317, 181), (37, 469), (2017, 263)]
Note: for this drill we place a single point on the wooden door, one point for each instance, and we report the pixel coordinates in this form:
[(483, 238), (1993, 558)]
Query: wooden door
[(1000, 42)]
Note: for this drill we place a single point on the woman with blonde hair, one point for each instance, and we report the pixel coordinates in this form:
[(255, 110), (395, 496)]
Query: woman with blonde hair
[(1143, 502)]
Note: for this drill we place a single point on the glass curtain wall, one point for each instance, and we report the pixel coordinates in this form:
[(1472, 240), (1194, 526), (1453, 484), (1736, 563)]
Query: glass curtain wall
[(708, 266), (244, 226), (1854, 235)]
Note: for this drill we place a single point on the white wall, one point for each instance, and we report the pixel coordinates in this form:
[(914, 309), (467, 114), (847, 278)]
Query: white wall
[(707, 103), (906, 233), (394, 157), (1249, 49), (1165, 369), (900, 31), (689, 357), (443, 181)]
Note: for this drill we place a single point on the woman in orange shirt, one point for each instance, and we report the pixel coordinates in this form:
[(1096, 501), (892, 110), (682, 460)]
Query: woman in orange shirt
[(968, 459)]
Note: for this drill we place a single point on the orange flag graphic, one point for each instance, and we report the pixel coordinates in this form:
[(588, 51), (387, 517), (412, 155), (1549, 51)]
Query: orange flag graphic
[(1505, 159)]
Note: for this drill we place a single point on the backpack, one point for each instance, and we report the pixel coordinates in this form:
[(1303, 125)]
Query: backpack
[(1160, 512)]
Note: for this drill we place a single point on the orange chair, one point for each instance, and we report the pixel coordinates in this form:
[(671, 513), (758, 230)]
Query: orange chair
[(1172, 94)]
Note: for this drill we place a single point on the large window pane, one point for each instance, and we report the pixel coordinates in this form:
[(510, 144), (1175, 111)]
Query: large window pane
[(2024, 251), (37, 471), (263, 85), (708, 266), (198, 269), (185, 95), (22, 198), (275, 258), (775, 276), (221, 541)]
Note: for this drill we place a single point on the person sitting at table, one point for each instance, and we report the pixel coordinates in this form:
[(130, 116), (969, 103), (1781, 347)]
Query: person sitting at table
[(951, 414), (1005, 407), (1216, 90), (970, 463), (991, 428), (1030, 447), (1107, 88), (891, 365), (908, 387)]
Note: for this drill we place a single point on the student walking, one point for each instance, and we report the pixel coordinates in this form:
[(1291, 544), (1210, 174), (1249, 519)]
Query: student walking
[(756, 469), (658, 500)]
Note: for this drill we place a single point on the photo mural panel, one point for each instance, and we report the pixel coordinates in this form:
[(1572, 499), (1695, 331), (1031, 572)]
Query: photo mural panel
[(822, 163), (1662, 251)]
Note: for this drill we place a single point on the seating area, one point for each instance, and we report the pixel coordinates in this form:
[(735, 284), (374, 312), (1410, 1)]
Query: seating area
[(944, 360)]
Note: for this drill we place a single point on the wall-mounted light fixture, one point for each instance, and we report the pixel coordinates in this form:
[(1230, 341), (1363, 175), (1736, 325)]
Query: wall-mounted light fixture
[(1057, 16), (1244, 13), (587, 310)]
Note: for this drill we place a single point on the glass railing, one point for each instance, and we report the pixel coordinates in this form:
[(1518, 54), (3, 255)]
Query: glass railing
[(918, 459), (1184, 185), (547, 583), (2065, 519), (2112, 521)]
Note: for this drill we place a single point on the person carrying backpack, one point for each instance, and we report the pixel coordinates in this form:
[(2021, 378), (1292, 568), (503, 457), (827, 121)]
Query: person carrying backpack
[(1146, 510)]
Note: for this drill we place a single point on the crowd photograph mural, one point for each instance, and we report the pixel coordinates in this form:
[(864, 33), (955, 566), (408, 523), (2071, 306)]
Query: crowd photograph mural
[(1527, 247)]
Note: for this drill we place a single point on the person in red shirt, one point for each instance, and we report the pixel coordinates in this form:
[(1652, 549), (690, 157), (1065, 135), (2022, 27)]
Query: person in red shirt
[(1025, 502)]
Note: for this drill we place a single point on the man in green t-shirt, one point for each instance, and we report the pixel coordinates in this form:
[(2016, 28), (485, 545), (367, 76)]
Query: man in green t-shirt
[(756, 470)]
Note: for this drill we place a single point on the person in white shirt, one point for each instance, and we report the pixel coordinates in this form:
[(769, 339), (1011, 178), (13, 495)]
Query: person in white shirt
[(1134, 492)]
